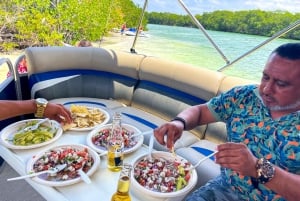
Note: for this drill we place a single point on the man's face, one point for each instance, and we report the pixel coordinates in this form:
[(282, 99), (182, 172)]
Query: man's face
[(280, 84)]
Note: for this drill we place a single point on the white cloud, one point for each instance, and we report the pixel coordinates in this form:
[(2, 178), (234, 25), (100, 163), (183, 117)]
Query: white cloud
[(286, 5)]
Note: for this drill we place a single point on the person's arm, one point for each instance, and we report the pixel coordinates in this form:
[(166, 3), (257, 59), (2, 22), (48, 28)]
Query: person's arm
[(10, 109), (197, 115), (193, 116), (238, 157), (285, 184)]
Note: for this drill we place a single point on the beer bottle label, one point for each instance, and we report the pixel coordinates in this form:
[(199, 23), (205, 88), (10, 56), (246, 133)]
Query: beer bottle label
[(118, 161)]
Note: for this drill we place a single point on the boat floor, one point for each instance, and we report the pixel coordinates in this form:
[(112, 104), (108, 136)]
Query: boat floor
[(15, 190)]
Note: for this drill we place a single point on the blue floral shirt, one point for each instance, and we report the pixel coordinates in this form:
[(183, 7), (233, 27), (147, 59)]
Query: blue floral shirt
[(248, 121)]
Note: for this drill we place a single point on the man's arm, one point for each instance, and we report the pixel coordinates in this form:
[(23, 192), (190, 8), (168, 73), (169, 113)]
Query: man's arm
[(193, 116), (10, 109), (285, 184)]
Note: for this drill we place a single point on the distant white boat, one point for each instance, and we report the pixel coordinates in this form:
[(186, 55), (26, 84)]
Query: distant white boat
[(132, 33)]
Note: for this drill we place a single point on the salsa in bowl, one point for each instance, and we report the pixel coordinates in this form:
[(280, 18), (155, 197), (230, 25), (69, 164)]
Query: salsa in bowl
[(164, 175)]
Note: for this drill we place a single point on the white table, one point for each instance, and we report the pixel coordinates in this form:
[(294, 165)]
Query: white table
[(104, 181)]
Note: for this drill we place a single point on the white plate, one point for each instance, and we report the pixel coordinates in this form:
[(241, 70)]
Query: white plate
[(40, 180), (9, 132), (88, 104), (168, 156), (101, 149)]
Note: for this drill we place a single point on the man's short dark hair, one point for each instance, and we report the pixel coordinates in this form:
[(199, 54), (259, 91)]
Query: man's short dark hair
[(289, 50)]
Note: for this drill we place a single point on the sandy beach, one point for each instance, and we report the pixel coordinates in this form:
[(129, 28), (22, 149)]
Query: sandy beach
[(111, 41)]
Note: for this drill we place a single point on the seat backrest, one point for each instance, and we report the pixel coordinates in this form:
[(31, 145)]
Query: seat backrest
[(166, 88), (59, 72)]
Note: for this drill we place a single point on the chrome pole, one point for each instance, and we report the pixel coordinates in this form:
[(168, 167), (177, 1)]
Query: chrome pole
[(277, 35), (199, 25), (132, 49), (15, 75)]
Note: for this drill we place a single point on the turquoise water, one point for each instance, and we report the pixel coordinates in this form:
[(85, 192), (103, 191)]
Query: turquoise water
[(189, 45)]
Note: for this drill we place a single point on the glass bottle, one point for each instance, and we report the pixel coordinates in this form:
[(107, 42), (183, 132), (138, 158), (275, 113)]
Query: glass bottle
[(115, 145), (122, 193)]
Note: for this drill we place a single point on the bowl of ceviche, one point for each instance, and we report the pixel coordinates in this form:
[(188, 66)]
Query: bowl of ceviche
[(75, 156), (97, 138), (163, 176)]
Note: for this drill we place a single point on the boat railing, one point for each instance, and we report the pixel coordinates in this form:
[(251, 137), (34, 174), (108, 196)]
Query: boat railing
[(15, 74), (199, 25), (132, 49)]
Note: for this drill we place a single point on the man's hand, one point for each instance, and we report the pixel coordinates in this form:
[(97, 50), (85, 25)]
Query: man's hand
[(238, 157), (169, 133)]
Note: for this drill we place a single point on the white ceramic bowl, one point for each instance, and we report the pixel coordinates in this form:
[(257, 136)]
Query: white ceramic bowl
[(100, 149), (155, 194)]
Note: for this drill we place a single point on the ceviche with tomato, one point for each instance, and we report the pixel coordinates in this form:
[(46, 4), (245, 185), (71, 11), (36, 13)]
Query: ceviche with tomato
[(74, 158), (162, 175), (101, 138)]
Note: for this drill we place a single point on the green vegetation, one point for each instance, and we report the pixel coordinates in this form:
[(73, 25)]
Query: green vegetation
[(25, 23), (254, 22)]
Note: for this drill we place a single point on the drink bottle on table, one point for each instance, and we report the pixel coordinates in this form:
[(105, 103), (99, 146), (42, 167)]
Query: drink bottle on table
[(115, 145), (122, 193)]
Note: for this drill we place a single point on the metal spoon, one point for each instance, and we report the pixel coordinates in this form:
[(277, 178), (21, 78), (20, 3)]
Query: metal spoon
[(54, 170), (201, 161)]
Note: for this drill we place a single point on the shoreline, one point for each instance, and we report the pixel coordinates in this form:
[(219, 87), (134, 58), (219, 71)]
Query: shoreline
[(111, 41)]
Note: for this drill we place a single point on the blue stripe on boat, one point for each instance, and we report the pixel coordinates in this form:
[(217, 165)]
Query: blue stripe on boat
[(204, 151), (84, 102), (38, 77), (171, 92), (141, 120)]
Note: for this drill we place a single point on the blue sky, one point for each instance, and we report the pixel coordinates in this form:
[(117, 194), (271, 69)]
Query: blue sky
[(200, 6)]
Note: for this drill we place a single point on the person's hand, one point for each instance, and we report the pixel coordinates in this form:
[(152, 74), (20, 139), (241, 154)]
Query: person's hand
[(168, 133), (58, 112), (238, 157)]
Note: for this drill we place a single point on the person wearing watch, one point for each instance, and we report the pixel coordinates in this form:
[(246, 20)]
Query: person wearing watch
[(40, 107), (261, 160)]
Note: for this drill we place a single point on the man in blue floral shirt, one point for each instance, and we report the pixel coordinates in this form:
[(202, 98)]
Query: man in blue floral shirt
[(261, 161)]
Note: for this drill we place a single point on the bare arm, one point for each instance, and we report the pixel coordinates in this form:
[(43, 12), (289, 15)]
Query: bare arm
[(238, 157), (197, 115), (10, 109), (285, 184), (194, 116)]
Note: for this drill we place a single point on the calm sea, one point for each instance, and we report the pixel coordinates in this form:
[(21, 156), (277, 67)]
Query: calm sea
[(190, 45)]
